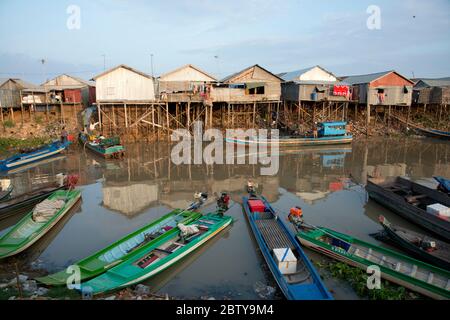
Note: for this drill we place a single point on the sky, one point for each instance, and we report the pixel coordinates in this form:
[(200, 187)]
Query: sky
[(223, 37)]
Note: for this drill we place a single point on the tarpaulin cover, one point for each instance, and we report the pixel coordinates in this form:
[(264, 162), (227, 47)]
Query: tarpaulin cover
[(340, 90)]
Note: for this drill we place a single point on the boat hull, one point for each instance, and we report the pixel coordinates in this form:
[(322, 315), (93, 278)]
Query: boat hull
[(128, 272), (415, 250), (11, 245), (96, 264), (386, 273), (12, 206), (410, 212), (41, 154), (294, 141), (117, 151), (314, 290)]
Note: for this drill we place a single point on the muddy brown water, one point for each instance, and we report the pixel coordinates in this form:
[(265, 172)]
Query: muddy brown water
[(120, 196)]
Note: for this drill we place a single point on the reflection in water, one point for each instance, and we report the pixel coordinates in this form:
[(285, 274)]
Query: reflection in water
[(121, 196), (129, 199)]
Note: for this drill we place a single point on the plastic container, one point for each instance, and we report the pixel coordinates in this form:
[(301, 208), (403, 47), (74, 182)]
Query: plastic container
[(256, 205), (285, 259)]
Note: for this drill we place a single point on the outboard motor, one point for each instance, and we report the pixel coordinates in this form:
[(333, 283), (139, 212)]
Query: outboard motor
[(296, 216), (223, 202), (251, 187)]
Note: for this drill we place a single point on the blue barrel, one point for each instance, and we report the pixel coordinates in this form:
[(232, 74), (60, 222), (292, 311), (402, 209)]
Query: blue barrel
[(314, 96)]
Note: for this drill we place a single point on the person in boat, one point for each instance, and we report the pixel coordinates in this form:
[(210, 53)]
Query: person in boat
[(64, 135)]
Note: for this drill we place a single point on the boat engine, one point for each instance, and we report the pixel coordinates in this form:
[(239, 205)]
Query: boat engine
[(223, 202), (296, 216)]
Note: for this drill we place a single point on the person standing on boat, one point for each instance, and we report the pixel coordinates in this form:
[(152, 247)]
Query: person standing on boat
[(315, 130)]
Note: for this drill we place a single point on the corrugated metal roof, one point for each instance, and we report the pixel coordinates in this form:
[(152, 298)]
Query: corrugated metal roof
[(25, 84), (20, 82), (425, 83), (294, 75), (320, 82), (188, 66), (242, 71), (365, 78), (125, 67)]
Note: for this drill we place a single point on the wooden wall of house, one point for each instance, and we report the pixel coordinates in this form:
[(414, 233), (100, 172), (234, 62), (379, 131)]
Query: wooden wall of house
[(272, 92), (392, 96), (178, 86), (292, 91), (124, 85), (432, 95), (10, 95)]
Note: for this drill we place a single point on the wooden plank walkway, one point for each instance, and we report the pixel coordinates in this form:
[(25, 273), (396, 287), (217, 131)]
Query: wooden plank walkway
[(273, 234)]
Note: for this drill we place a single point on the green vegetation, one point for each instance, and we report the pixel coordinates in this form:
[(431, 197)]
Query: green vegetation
[(38, 120), (54, 293), (358, 280), (9, 124), (9, 144)]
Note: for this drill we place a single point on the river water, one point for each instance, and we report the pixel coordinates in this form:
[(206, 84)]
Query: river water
[(120, 196)]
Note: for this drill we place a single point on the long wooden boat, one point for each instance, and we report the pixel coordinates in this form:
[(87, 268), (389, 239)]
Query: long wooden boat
[(122, 249), (35, 155), (418, 244), (410, 200), (293, 141), (302, 282), (410, 273), (4, 194), (20, 202), (151, 260), (444, 184), (29, 230), (107, 148)]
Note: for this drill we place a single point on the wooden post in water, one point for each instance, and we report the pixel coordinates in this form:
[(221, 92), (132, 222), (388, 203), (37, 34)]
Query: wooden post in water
[(189, 116), (368, 119), (126, 115), (254, 114)]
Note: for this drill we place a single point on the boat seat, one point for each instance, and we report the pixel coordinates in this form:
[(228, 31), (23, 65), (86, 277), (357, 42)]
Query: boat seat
[(430, 278), (163, 250), (413, 271)]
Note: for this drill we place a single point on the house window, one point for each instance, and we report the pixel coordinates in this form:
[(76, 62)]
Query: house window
[(257, 90), (110, 91), (405, 90)]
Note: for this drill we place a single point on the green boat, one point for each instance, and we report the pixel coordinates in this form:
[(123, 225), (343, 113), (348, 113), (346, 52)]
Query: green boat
[(108, 148), (408, 272), (120, 250), (153, 259), (37, 222)]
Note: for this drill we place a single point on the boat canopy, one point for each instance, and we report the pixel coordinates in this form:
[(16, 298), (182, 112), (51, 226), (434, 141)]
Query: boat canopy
[(332, 128)]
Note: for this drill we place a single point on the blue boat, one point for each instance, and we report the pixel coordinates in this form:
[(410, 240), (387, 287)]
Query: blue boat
[(328, 133), (291, 268), (444, 184), (33, 156)]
